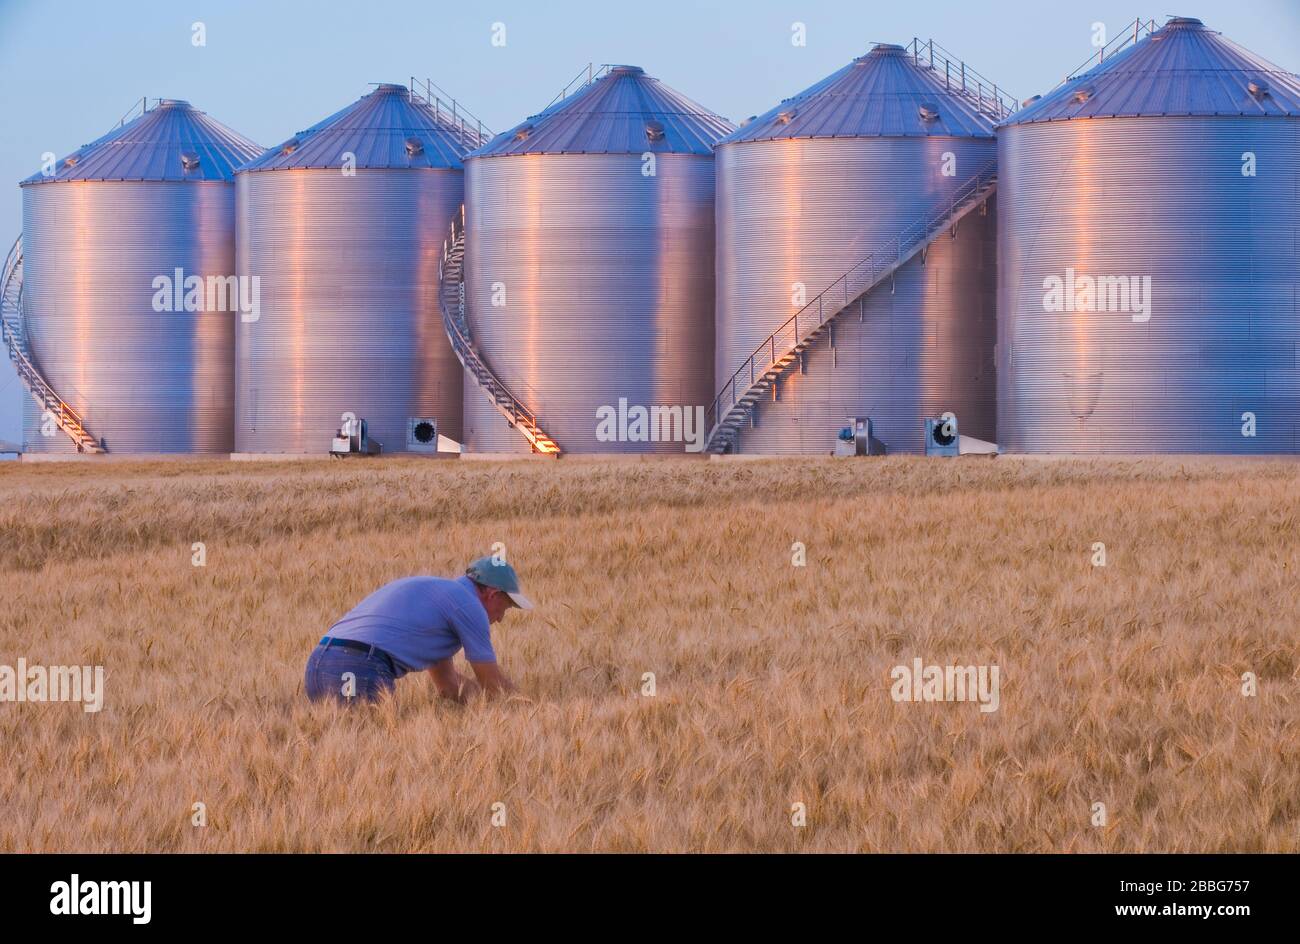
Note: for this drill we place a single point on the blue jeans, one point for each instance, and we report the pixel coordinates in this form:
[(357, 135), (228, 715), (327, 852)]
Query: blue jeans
[(327, 675)]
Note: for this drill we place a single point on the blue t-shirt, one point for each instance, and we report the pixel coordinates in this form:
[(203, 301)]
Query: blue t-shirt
[(421, 620)]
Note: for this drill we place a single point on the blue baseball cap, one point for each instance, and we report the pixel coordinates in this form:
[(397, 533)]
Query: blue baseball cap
[(487, 572)]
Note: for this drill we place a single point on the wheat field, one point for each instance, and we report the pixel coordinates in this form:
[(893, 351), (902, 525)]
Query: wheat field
[(1121, 684)]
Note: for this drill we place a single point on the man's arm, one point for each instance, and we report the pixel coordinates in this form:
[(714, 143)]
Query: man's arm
[(449, 683), (491, 679)]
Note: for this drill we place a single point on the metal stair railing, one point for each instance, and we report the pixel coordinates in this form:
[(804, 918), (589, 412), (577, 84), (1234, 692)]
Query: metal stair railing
[(780, 349), (454, 256), (15, 340), (451, 303), (960, 79)]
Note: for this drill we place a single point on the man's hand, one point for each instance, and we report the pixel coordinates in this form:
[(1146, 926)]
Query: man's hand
[(491, 679), (450, 683)]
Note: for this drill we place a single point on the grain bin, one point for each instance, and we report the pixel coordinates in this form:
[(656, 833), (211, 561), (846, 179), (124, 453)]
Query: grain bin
[(1148, 289), (589, 279), (343, 225), (111, 235), (808, 191)]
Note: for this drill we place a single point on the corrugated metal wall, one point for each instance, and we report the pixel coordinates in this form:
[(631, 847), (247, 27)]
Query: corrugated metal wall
[(349, 320), (608, 281), (144, 381), (805, 211), (1162, 197)]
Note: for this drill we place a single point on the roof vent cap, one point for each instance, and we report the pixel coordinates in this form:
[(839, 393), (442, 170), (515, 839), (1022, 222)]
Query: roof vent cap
[(1029, 101), (523, 132), (1257, 88), (928, 111), (288, 147), (1082, 95), (189, 160), (654, 130), (414, 147), (785, 116), (71, 160)]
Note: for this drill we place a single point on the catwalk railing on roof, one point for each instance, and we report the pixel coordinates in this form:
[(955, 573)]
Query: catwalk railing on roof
[(136, 110), (1125, 38), (590, 73), (989, 100), (472, 130)]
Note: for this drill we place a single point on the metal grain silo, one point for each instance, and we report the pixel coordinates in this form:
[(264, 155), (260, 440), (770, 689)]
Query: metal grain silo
[(343, 225), (855, 258), (1147, 219), (589, 280), (152, 200)]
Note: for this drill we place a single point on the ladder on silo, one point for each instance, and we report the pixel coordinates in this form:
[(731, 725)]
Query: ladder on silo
[(739, 396), (451, 302), (15, 338)]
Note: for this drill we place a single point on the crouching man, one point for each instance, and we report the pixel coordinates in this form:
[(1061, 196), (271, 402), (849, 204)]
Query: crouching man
[(418, 623)]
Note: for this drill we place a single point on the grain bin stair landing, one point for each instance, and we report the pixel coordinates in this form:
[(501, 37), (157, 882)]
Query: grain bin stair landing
[(15, 338), (451, 302), (783, 347)]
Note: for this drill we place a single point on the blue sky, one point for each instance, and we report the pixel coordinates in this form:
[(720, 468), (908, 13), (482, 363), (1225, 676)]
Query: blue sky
[(69, 70)]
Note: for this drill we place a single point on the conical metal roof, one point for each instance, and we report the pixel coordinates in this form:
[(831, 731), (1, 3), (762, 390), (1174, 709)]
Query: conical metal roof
[(387, 128), (1180, 69), (885, 93), (171, 141), (624, 111)]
